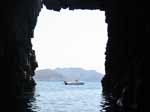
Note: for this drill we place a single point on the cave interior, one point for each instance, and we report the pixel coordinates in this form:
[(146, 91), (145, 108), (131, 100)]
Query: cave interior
[(126, 49)]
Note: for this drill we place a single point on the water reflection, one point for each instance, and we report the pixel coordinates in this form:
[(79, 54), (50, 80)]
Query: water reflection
[(108, 104), (56, 97), (27, 104)]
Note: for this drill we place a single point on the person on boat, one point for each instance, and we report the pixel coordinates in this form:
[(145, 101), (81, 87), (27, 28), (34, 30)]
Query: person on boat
[(76, 81)]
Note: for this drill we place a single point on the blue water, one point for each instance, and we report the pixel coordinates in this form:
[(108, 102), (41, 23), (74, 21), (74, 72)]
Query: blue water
[(51, 96)]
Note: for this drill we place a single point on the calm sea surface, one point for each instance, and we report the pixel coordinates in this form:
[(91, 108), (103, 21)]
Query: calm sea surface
[(51, 96)]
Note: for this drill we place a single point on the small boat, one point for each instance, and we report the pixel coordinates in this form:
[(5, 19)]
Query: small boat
[(76, 82)]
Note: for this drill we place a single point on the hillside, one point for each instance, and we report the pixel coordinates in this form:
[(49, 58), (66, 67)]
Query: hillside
[(68, 74), (47, 74)]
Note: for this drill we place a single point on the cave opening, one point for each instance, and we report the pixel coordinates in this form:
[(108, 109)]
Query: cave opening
[(72, 43), (80, 33)]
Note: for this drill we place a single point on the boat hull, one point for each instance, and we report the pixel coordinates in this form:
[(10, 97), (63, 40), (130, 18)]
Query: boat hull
[(74, 83)]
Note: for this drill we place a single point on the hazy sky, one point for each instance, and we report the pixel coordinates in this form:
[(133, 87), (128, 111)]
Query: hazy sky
[(71, 39)]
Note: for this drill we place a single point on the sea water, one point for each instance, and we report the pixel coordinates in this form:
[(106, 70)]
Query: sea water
[(55, 96)]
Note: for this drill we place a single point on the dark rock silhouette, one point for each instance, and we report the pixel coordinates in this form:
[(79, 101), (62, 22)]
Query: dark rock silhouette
[(126, 52)]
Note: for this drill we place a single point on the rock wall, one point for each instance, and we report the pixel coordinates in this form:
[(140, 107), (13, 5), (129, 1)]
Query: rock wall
[(26, 14), (126, 51), (18, 59), (126, 55)]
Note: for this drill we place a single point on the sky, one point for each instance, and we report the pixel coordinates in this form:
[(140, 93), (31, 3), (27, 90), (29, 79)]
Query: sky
[(70, 39)]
